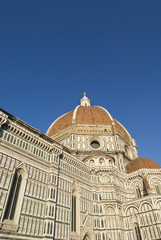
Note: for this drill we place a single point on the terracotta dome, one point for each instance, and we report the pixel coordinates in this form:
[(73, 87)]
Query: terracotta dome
[(84, 114), (140, 163)]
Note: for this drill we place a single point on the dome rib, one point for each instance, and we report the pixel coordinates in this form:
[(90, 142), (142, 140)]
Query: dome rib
[(85, 115), (92, 115), (60, 123), (75, 114), (122, 128), (106, 112)]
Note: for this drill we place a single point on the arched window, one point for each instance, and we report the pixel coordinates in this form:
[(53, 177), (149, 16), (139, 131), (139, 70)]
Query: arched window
[(15, 197), (157, 189), (73, 223), (86, 237), (103, 236), (110, 162), (137, 232), (102, 161), (99, 236), (102, 223), (138, 192), (145, 186)]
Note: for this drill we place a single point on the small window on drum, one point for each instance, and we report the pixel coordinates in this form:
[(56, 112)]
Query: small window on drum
[(95, 144)]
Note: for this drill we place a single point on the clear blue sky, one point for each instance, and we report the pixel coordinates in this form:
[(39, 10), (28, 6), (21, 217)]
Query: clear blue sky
[(53, 51)]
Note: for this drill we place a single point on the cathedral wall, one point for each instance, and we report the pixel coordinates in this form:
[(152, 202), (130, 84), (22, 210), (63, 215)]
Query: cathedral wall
[(99, 202)]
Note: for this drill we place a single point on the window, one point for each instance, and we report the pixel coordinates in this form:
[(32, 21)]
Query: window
[(86, 237), (102, 161), (137, 232), (138, 192), (15, 197), (91, 162), (157, 189), (73, 224), (95, 144), (110, 163)]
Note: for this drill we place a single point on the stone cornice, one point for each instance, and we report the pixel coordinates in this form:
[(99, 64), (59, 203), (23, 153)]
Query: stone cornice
[(3, 117), (23, 130), (143, 172)]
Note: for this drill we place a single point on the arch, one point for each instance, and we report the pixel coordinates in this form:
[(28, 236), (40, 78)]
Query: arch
[(154, 180), (110, 211), (135, 183), (131, 210), (106, 179), (158, 204), (145, 205), (155, 183)]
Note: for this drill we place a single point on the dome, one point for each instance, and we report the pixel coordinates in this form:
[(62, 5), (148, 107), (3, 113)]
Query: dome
[(85, 114), (140, 163)]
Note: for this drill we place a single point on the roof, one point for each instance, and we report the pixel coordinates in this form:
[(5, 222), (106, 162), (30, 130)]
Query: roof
[(140, 163), (61, 123), (92, 116), (85, 115)]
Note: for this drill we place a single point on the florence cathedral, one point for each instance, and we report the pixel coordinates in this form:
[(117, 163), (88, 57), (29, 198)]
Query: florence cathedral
[(82, 180)]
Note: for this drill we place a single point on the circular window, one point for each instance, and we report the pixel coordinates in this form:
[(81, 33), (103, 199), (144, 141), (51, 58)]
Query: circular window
[(95, 144)]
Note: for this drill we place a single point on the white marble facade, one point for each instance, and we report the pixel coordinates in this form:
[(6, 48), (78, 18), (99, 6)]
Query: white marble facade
[(88, 191)]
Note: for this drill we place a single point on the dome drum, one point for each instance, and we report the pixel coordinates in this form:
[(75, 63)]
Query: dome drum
[(99, 160), (91, 128), (95, 143)]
